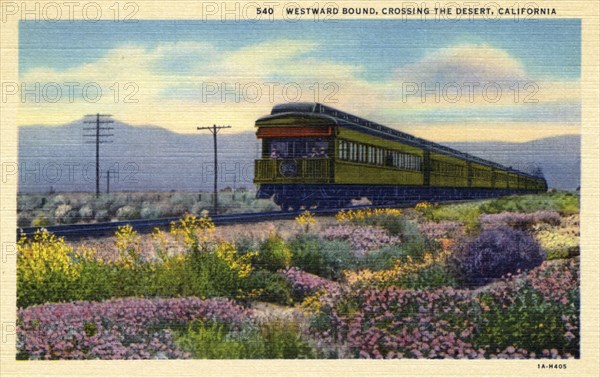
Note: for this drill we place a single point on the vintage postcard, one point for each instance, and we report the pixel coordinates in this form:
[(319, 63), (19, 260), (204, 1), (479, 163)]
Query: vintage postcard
[(303, 188)]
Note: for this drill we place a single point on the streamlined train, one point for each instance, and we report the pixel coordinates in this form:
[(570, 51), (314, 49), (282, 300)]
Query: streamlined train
[(315, 155)]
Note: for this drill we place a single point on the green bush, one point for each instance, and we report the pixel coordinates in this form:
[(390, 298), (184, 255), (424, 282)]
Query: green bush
[(465, 213), (433, 277), (213, 277), (284, 340), (530, 321), (270, 340), (325, 258), (385, 257), (173, 277), (49, 270), (128, 212), (306, 254), (563, 202), (274, 254), (102, 216), (40, 221), (96, 281), (212, 340), (269, 287)]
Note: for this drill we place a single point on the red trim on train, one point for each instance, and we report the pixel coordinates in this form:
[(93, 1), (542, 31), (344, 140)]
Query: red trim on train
[(304, 131)]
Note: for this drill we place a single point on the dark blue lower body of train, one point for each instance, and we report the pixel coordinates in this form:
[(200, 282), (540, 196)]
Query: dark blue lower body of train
[(295, 196)]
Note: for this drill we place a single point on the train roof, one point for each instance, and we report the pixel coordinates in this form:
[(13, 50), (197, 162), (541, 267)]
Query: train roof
[(342, 118)]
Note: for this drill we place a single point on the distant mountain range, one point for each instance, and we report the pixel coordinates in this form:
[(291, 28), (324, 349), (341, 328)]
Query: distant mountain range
[(150, 158)]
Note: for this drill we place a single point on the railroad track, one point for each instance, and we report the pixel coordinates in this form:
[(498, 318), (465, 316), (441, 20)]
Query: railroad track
[(73, 231)]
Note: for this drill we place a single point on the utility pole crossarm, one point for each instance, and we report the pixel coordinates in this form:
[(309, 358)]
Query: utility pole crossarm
[(214, 130)]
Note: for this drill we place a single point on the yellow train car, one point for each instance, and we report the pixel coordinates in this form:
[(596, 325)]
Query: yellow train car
[(316, 155)]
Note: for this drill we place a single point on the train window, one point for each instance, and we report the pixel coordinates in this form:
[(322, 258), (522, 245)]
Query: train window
[(300, 148), (341, 149)]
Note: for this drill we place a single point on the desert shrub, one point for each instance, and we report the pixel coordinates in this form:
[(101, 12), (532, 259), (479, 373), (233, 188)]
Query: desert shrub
[(218, 273), (384, 258), (326, 258), (537, 311), (24, 219), (86, 212), (521, 221), (44, 269), (305, 219), (199, 207), (132, 270), (465, 213), (28, 202), (96, 279), (102, 216), (71, 217), (495, 253), (173, 276), (284, 339), (338, 257), (530, 315), (103, 202), (58, 200), (128, 212), (433, 277), (40, 221), (246, 244), (394, 225), (130, 328), (560, 201), (390, 220), (274, 254), (398, 323), (184, 200), (402, 269), (213, 340), (267, 340), (150, 212), (306, 254), (267, 286), (61, 212), (558, 245), (362, 239), (49, 270), (444, 229), (304, 284), (263, 205)]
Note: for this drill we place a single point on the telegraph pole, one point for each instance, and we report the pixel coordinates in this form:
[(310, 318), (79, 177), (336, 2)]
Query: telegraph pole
[(97, 135), (214, 129)]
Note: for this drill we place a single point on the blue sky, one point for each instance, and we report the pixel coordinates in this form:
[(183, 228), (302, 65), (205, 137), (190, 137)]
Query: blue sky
[(368, 59), (546, 47)]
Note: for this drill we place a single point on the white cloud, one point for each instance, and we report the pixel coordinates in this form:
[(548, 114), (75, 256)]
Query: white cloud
[(174, 81)]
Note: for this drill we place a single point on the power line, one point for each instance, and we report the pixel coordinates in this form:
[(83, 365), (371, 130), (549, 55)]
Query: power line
[(214, 129), (97, 135)]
